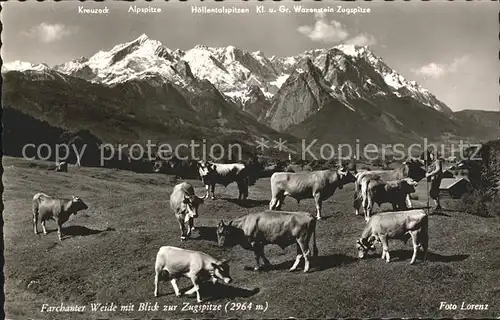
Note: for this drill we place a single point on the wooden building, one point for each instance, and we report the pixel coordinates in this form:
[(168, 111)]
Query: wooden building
[(454, 187)]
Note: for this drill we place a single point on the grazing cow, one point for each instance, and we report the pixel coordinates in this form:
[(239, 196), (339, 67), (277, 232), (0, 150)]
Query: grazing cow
[(400, 225), (186, 169), (412, 168), (319, 185), (59, 210), (393, 192), (224, 174), (184, 204), (255, 230), (195, 265)]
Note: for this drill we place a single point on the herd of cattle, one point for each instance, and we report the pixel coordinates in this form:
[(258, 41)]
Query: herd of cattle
[(255, 230)]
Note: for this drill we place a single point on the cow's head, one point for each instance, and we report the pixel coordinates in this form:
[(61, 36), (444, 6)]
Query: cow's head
[(206, 168), (415, 168), (77, 204), (223, 232), (407, 185), (365, 245), (345, 176), (221, 271), (158, 166), (192, 203), (62, 167)]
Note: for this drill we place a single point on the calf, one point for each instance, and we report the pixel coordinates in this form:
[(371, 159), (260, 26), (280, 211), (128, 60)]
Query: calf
[(319, 185), (184, 204), (411, 168), (194, 265), (56, 209), (395, 225), (379, 192), (255, 230), (224, 174)]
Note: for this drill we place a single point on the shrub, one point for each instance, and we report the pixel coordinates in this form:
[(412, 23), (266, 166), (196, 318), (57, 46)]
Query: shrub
[(476, 202), (493, 207)]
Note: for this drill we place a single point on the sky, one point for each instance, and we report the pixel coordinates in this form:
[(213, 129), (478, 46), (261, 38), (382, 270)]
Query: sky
[(449, 48)]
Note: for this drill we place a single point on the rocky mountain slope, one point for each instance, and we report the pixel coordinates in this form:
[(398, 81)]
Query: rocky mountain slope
[(130, 94)]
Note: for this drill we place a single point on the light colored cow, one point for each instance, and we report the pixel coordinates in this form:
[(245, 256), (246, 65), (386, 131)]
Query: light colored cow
[(194, 265), (400, 225), (255, 230), (184, 204), (224, 174), (59, 210), (317, 185)]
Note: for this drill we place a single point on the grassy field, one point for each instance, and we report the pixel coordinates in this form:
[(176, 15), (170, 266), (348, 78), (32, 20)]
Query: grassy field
[(109, 252)]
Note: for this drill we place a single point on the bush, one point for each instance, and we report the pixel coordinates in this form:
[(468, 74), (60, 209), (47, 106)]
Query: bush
[(493, 207), (481, 202)]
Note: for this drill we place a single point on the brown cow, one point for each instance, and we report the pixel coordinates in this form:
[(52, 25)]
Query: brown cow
[(411, 168), (255, 230), (393, 192), (319, 185), (184, 204)]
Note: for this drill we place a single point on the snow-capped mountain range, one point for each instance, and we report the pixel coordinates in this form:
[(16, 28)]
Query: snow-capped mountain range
[(141, 90), (236, 73)]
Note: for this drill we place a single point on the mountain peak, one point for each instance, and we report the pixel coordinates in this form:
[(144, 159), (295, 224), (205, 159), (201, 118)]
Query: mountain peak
[(351, 49), (18, 65), (142, 38)]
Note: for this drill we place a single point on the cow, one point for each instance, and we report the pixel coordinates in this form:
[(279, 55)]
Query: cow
[(186, 169), (59, 210), (224, 174), (255, 230), (184, 204), (400, 225), (195, 265), (412, 168), (319, 185), (379, 192)]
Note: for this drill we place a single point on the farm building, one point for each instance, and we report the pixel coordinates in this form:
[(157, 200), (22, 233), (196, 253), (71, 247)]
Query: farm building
[(454, 187), (448, 174)]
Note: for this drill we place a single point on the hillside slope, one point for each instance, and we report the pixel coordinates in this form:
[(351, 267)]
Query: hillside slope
[(110, 248)]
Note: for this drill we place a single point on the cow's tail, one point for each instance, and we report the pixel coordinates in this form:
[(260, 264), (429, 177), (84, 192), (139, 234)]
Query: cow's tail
[(37, 196)]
